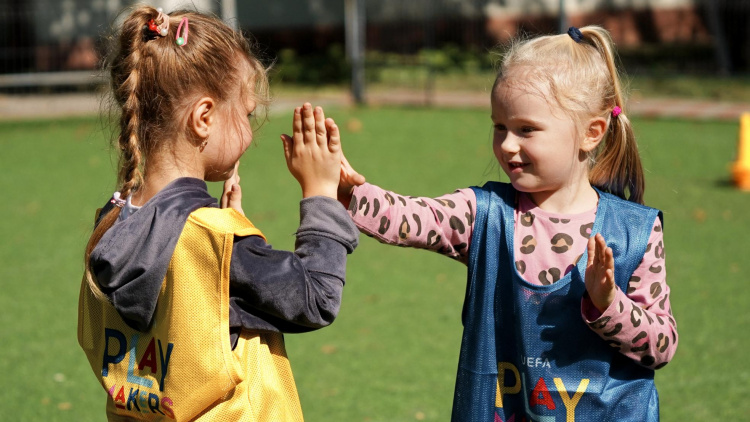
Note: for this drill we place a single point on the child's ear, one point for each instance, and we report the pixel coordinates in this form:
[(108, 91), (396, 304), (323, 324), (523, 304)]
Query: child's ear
[(595, 131), (202, 117)]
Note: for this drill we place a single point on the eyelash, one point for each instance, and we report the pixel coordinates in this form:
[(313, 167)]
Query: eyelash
[(524, 129)]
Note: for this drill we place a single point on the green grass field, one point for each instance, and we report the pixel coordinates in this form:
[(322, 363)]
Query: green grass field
[(392, 354)]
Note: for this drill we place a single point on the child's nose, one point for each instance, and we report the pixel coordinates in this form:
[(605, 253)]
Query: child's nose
[(510, 144)]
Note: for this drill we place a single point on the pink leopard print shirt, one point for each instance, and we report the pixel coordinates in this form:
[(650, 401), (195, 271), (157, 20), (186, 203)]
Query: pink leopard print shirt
[(639, 322)]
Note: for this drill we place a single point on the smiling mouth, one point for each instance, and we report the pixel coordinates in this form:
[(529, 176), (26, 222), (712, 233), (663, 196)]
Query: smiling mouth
[(514, 166)]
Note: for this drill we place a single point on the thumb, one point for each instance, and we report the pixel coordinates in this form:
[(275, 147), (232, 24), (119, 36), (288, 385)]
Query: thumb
[(286, 141), (235, 198)]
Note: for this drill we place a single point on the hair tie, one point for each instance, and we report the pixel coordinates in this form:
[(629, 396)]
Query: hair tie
[(616, 111), (119, 203), (575, 33), (158, 26), (182, 40), (163, 27)]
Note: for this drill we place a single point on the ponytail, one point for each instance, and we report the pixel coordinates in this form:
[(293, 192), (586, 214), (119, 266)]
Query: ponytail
[(617, 169)]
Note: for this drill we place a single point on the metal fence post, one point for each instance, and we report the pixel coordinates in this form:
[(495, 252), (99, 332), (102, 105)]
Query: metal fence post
[(563, 19), (355, 46), (229, 13)]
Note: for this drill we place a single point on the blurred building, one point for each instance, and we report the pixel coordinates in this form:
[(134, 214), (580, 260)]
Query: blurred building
[(709, 36)]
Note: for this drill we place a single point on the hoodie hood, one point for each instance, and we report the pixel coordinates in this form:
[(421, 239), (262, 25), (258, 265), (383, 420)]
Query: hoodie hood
[(131, 260)]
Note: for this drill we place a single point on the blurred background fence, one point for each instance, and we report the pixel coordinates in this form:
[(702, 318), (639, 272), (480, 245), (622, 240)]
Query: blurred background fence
[(418, 44)]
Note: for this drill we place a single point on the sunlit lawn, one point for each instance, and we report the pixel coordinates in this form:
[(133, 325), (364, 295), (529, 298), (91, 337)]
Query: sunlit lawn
[(392, 353)]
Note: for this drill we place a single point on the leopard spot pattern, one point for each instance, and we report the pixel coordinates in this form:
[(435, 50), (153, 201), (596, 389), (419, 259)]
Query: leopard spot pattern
[(600, 323), (353, 205), (404, 229), (553, 272), (364, 203), (633, 284), (433, 238), (615, 330), (521, 267), (447, 202), (419, 223), (385, 224), (375, 207), (527, 219), (528, 245), (655, 290), (636, 316), (586, 230), (561, 242), (457, 224)]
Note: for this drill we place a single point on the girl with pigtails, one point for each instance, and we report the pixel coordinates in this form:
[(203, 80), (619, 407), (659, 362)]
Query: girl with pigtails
[(183, 304), (567, 311)]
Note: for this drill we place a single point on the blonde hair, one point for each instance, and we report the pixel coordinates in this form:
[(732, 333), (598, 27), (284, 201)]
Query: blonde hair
[(153, 82), (584, 81)]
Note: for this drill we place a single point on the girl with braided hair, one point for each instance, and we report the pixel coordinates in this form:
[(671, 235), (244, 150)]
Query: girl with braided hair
[(183, 304)]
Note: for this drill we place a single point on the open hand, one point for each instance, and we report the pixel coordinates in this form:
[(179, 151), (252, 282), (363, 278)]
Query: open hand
[(232, 194), (313, 152), (600, 273)]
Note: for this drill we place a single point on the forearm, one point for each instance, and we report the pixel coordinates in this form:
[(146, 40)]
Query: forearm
[(294, 291), (442, 224), (640, 322)]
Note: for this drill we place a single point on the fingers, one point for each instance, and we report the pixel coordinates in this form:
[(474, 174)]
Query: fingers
[(334, 137), (308, 123), (591, 248), (349, 176), (235, 198), (297, 135), (321, 134)]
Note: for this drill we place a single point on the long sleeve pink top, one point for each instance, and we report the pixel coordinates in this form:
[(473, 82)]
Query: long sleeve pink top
[(638, 323)]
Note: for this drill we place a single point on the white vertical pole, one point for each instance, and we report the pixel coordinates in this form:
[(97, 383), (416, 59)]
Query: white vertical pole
[(229, 13), (563, 19), (354, 11)]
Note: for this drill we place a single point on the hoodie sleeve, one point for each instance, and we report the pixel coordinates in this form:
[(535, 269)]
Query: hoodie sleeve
[(292, 292)]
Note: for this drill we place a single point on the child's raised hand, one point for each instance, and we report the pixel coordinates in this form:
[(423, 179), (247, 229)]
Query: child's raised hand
[(313, 152), (232, 194), (600, 273)]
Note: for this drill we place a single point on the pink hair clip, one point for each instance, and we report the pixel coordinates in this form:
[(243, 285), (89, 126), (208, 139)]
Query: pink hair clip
[(182, 40), (119, 203), (616, 111)]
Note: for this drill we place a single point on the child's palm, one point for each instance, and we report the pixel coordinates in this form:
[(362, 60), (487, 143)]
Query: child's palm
[(313, 152), (600, 269)]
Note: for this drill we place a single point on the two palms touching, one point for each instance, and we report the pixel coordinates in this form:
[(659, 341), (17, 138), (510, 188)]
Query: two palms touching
[(313, 151), (314, 157)]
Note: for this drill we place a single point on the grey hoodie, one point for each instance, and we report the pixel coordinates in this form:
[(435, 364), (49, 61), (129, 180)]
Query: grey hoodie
[(270, 290)]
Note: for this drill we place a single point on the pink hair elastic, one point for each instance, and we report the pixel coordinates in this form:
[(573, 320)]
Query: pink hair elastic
[(182, 40), (616, 111), (119, 203)]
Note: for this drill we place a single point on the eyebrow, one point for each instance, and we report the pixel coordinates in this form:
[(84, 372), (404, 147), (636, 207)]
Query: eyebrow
[(522, 120)]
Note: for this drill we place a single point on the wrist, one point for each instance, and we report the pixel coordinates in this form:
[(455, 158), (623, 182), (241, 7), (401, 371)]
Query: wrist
[(344, 195), (310, 192), (603, 303)]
